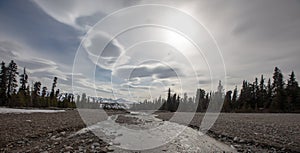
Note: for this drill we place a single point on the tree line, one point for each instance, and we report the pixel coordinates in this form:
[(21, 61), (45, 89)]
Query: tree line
[(13, 94), (276, 95)]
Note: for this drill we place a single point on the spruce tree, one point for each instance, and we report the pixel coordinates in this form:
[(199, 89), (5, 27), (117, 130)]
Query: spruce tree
[(12, 78), (3, 85), (200, 100), (52, 94), (255, 91), (292, 91), (23, 81), (268, 101), (44, 91), (261, 93), (169, 101), (12, 72), (36, 94), (234, 98), (227, 106), (278, 101), (173, 103), (22, 94)]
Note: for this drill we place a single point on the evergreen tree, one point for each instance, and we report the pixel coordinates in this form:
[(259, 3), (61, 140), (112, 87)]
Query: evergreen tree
[(234, 98), (167, 105), (12, 78), (177, 102), (12, 72), (37, 88), (36, 94), (227, 106), (269, 96), (242, 97), (261, 93), (292, 90), (28, 97), (52, 94), (278, 101), (200, 100), (57, 93), (3, 85), (255, 92), (44, 91), (22, 94), (246, 97), (217, 100), (23, 81), (172, 106)]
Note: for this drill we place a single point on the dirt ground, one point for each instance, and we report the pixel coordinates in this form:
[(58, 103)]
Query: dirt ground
[(250, 132), (49, 132)]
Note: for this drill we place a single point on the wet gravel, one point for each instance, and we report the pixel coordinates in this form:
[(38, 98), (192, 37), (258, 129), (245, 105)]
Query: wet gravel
[(122, 119), (250, 132)]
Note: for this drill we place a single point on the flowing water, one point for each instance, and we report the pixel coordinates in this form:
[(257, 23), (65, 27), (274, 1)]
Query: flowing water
[(150, 134)]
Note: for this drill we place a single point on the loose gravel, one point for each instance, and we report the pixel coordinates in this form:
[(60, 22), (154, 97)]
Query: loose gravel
[(249, 132)]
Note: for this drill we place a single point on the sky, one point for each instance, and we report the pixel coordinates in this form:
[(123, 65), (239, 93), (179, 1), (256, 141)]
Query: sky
[(137, 49)]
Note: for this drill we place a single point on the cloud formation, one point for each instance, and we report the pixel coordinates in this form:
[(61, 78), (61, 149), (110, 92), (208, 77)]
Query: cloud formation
[(253, 36)]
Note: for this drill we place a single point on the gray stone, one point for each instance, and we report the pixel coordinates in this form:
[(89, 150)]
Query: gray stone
[(20, 142), (96, 144), (63, 133), (68, 148), (235, 139)]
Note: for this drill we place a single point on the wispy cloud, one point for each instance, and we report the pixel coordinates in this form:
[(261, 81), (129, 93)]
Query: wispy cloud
[(253, 36)]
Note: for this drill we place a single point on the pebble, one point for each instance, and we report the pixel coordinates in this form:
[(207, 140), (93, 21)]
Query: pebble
[(116, 143), (68, 148), (20, 142), (63, 133), (53, 138), (120, 135), (96, 144), (235, 139), (80, 148), (108, 149), (49, 134)]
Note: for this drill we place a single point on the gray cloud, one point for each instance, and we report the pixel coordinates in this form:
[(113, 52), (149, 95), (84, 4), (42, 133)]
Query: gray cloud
[(254, 36), (8, 50), (156, 71)]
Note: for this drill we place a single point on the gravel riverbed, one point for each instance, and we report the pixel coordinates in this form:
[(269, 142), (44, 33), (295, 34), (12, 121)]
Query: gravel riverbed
[(250, 132), (54, 132), (49, 132)]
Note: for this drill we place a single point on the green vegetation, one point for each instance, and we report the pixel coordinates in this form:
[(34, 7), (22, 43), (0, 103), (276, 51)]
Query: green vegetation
[(24, 96), (275, 96)]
